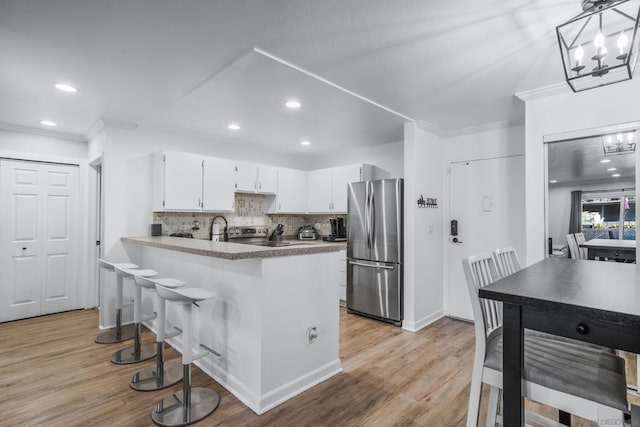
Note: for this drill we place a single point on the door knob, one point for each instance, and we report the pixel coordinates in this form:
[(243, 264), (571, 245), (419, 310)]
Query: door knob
[(455, 240)]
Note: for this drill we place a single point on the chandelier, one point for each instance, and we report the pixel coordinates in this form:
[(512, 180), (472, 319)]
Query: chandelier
[(621, 143), (600, 45)]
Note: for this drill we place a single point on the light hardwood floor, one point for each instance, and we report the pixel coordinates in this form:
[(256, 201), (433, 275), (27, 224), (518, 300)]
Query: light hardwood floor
[(53, 374)]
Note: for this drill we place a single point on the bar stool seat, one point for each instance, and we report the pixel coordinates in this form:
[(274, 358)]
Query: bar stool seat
[(119, 333), (138, 352), (197, 403), (158, 376)]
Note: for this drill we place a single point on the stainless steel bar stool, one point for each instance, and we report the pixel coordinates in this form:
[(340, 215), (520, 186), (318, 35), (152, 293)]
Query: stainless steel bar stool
[(197, 403), (159, 376), (138, 352), (119, 333)]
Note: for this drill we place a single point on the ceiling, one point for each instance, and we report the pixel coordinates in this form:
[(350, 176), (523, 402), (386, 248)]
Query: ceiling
[(577, 162), (360, 69)]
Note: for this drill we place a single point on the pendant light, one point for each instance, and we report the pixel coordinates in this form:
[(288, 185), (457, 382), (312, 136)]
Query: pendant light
[(600, 45)]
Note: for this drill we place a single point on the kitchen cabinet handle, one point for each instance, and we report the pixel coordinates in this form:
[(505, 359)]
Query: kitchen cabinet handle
[(260, 185), (279, 206), (255, 185)]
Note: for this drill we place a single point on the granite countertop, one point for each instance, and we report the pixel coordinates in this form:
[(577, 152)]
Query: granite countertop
[(227, 250)]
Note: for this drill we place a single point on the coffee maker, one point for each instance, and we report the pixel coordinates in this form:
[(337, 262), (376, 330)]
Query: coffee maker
[(338, 230)]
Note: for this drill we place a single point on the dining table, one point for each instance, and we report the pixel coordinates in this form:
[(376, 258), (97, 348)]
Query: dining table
[(596, 302), (615, 249)]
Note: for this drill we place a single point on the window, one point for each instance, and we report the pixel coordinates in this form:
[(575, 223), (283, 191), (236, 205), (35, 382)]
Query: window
[(610, 215)]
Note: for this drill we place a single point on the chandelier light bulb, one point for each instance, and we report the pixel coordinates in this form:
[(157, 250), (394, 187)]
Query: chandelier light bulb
[(609, 140), (578, 55), (623, 42), (630, 137), (619, 137), (598, 42)]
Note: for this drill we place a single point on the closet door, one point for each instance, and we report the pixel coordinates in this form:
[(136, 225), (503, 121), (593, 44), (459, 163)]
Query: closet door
[(38, 244)]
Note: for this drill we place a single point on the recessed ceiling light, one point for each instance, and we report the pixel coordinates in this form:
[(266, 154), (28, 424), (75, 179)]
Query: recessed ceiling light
[(305, 143), (234, 126), (616, 175), (293, 104), (605, 160), (48, 123), (64, 87), (553, 181), (611, 169)]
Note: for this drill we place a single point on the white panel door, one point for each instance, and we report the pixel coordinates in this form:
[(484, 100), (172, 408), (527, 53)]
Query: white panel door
[(486, 197), (218, 189), (38, 242), (341, 178)]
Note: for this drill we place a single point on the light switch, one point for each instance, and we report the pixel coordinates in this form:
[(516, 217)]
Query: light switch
[(487, 204)]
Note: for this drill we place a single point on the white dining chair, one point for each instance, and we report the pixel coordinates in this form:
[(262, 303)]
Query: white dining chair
[(584, 252), (582, 380), (506, 260), (573, 247)]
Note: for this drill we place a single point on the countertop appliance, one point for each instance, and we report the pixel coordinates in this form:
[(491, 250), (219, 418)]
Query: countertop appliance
[(307, 232), (254, 235), (338, 230), (375, 285)]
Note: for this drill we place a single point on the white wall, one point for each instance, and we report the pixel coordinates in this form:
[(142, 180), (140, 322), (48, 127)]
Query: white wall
[(127, 185), (424, 172), (38, 147), (561, 113), (559, 206), (388, 159)]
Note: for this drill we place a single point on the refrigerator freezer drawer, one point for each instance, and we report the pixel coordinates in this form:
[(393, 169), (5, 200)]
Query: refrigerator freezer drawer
[(374, 289)]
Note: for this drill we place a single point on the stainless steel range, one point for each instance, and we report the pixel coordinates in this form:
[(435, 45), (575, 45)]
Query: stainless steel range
[(254, 235)]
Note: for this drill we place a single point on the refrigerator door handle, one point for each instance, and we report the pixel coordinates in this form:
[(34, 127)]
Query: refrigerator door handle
[(372, 212), (382, 267), (367, 214)]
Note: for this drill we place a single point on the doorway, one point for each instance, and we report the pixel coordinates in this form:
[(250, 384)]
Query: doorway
[(486, 199), (39, 239)]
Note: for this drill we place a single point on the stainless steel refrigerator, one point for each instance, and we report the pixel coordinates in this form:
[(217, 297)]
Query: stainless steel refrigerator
[(375, 250)]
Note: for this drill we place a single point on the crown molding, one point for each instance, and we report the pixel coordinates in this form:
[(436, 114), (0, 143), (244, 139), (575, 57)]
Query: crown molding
[(430, 127), (486, 127), (104, 122), (42, 132), (543, 92)]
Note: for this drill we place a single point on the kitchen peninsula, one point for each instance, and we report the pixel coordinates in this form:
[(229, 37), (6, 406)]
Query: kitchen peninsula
[(267, 300)]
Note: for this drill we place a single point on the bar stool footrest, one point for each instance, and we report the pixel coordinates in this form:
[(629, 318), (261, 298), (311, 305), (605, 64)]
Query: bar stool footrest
[(172, 334), (147, 379), (110, 336), (171, 412), (127, 355)]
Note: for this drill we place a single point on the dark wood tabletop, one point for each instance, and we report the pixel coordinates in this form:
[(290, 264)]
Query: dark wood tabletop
[(597, 302)]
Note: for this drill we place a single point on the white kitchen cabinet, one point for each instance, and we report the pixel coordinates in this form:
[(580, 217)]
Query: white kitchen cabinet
[(342, 277), (342, 176), (181, 182), (191, 182), (319, 190), (327, 189), (252, 178), (218, 192), (292, 191)]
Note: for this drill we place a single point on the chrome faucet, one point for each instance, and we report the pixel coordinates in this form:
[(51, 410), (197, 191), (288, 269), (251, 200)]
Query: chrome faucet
[(226, 233)]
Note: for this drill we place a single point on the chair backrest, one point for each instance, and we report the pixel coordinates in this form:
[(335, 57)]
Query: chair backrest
[(580, 239), (480, 271), (573, 246), (506, 260)]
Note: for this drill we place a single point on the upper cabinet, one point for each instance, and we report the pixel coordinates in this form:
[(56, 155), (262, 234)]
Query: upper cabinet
[(218, 192), (190, 182), (292, 191), (252, 178), (327, 189)]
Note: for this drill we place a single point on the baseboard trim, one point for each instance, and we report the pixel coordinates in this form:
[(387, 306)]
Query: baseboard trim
[(423, 322), (256, 402)]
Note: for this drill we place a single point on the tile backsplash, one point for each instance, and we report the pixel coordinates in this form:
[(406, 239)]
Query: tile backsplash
[(250, 210)]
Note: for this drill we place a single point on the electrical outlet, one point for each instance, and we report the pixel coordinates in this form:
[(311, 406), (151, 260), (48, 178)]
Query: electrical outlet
[(312, 334)]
